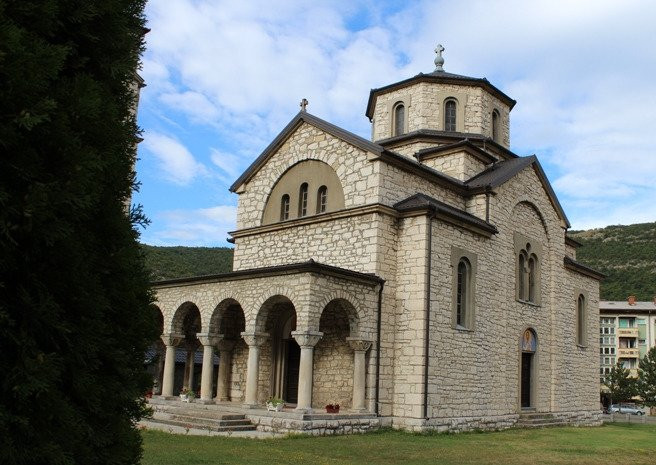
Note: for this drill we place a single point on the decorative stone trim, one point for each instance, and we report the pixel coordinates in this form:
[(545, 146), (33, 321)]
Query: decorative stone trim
[(255, 339), (172, 339), (307, 339), (359, 345)]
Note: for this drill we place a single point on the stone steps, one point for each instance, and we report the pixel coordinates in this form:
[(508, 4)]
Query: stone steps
[(539, 420), (199, 416)]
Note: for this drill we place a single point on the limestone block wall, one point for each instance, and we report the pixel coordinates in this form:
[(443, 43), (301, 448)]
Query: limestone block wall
[(459, 165), (356, 173), (333, 362), (411, 147), (396, 185), (574, 365), (347, 243), (410, 319), (424, 110), (477, 205), (237, 389), (570, 251)]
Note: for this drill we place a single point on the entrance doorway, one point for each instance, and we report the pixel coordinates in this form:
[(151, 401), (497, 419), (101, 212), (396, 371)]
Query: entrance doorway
[(291, 376), (527, 369)]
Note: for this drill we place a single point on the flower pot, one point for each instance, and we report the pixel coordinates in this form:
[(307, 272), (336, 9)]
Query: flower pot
[(271, 407)]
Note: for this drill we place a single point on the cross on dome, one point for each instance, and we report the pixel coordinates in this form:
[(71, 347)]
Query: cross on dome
[(439, 60)]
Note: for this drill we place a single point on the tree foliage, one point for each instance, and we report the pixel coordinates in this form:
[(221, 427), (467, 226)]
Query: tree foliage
[(646, 385), (621, 387), (74, 317), (626, 255), (182, 262)]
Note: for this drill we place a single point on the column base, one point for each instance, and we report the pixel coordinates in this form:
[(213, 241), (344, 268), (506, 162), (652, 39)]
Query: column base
[(251, 406), (205, 401), (222, 399), (303, 410), (359, 410)]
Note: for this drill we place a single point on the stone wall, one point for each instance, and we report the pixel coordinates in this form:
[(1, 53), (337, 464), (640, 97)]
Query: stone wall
[(333, 361), (459, 165)]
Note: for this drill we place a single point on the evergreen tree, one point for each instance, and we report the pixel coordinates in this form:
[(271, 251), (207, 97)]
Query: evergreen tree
[(74, 293), (621, 387), (646, 386)]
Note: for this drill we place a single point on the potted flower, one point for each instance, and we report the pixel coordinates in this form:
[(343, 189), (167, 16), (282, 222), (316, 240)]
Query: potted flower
[(332, 407), (187, 395), (275, 404)]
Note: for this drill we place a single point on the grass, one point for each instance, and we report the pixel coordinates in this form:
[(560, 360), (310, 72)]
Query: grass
[(609, 444)]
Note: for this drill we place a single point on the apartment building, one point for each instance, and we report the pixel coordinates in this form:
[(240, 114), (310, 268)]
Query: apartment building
[(627, 330)]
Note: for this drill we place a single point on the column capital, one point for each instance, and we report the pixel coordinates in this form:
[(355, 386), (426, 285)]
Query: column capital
[(254, 339), (207, 339), (307, 339), (172, 339), (359, 344)]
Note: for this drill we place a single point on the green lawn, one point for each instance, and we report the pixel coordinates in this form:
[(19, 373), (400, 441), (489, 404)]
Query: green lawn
[(611, 444)]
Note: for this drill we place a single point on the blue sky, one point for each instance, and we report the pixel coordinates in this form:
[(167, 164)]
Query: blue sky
[(224, 77)]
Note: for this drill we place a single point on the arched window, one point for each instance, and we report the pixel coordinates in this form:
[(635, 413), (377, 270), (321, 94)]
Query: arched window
[(580, 320), (495, 125), (399, 119), (521, 274), (302, 200), (532, 269), (284, 208), (450, 115), (322, 199), (462, 292)]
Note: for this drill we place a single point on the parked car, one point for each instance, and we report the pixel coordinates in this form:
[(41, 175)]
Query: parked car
[(630, 409)]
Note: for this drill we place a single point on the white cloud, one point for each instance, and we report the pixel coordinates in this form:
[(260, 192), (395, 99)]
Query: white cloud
[(196, 227), (176, 163)]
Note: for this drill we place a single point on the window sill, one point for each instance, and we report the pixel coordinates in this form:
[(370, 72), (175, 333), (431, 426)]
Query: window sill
[(462, 329), (530, 304)]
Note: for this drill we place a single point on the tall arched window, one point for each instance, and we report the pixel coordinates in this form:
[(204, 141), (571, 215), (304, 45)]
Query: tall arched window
[(302, 200), (462, 292), (322, 199), (532, 267), (450, 115), (399, 119), (284, 208), (521, 275), (495, 125), (580, 320)]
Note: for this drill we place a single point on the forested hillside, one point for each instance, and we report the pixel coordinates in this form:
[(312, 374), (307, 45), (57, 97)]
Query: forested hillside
[(182, 262), (625, 254)]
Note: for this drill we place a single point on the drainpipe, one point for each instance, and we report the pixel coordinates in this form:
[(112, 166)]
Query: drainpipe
[(429, 247), (487, 205), (378, 325)]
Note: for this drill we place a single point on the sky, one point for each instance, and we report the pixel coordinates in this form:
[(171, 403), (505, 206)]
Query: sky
[(223, 78)]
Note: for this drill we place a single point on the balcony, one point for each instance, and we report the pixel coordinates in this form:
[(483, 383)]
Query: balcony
[(627, 332), (633, 372), (628, 353)]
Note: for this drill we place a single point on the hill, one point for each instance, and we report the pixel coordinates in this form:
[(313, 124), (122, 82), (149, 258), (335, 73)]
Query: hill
[(181, 262), (625, 254)]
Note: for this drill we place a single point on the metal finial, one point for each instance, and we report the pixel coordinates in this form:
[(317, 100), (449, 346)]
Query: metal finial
[(304, 104), (439, 60)]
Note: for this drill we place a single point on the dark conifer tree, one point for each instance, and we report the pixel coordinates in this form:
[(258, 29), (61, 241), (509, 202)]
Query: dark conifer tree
[(74, 294), (647, 378)]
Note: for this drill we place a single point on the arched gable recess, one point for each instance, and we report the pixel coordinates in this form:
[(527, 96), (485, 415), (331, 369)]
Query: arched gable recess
[(316, 174), (527, 215)]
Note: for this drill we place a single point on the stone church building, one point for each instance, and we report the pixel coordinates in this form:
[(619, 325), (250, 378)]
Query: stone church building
[(421, 279)]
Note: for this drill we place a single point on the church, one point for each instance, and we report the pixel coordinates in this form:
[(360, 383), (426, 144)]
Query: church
[(422, 279)]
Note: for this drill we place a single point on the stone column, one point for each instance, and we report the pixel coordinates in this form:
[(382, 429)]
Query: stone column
[(254, 341), (190, 364), (170, 341), (360, 348), (307, 340), (207, 372), (225, 347)]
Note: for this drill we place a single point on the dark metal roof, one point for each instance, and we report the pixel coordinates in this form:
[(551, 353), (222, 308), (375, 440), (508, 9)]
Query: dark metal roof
[(502, 172), (301, 117), (441, 77), (463, 144), (581, 268), (448, 136), (309, 266), (422, 201)]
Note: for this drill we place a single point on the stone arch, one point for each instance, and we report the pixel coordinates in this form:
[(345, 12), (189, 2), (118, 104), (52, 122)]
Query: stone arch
[(183, 315), (534, 208), (268, 308), (311, 173), (156, 352), (350, 306), (227, 319)]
